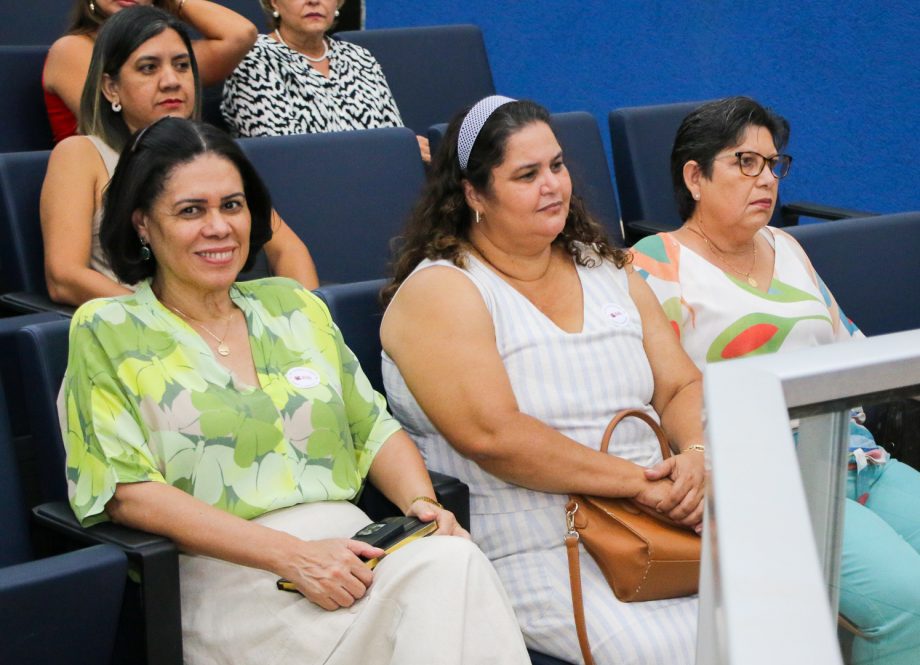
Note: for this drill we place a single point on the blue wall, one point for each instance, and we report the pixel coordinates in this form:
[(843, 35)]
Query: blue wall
[(846, 74)]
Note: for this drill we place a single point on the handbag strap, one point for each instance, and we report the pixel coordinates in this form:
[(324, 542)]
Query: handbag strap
[(578, 606), (647, 419), (572, 537)]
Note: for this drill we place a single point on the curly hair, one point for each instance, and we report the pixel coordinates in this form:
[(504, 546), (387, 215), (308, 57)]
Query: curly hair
[(440, 223)]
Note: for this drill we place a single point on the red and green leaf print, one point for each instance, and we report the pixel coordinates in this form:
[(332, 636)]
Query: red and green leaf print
[(754, 334), (657, 258), (778, 292)]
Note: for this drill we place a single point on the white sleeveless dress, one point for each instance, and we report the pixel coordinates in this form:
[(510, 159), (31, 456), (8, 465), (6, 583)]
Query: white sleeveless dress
[(574, 382)]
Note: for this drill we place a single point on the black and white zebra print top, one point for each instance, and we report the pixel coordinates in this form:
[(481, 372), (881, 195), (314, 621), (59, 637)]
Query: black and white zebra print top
[(275, 91)]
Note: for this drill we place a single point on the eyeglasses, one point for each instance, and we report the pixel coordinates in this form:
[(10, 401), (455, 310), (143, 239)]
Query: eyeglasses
[(752, 163)]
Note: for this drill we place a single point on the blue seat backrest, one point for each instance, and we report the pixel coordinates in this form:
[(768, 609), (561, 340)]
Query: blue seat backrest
[(871, 266), (38, 22), (345, 194), (251, 9), (434, 72), (22, 105), (356, 310), (21, 255), (580, 138), (14, 528), (641, 139), (43, 349)]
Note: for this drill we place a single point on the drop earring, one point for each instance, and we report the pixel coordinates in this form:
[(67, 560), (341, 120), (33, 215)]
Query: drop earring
[(92, 8), (145, 250), (477, 216), (337, 13)]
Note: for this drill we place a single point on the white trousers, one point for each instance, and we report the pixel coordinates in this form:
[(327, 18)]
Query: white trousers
[(437, 600)]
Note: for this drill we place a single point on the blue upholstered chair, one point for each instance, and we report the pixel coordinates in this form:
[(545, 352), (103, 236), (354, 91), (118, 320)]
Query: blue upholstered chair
[(641, 140), (59, 609), (347, 195), (433, 71), (580, 138), (870, 264), (22, 270), (22, 106), (26, 23)]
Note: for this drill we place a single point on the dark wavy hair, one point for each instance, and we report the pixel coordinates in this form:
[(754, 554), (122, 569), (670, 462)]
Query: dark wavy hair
[(146, 162), (711, 128), (83, 21), (440, 223), (121, 35)]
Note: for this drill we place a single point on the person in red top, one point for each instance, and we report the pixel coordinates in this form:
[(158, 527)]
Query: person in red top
[(226, 38)]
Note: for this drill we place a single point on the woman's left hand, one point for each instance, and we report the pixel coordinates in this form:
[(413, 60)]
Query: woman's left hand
[(447, 523), (688, 473)]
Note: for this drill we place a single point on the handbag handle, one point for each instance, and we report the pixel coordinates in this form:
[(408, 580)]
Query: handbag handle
[(647, 419)]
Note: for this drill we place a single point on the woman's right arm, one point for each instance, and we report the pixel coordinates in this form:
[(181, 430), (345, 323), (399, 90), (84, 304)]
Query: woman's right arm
[(445, 349), (66, 68), (68, 203), (328, 572), (226, 37)]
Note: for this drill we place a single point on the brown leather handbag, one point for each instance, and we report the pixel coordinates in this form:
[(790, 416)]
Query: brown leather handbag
[(642, 557)]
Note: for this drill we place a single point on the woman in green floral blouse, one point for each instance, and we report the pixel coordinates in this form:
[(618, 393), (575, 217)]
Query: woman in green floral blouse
[(233, 419)]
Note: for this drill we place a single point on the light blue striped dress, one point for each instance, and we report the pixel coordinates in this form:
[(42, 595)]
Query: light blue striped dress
[(573, 382)]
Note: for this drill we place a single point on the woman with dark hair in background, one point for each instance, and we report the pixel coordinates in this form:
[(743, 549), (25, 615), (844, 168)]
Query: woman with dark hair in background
[(734, 287), (514, 332), (226, 37), (143, 68), (297, 80), (232, 418)]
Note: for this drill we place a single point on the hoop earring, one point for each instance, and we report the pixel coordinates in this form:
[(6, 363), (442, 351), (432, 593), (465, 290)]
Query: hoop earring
[(477, 216), (145, 250), (116, 107)]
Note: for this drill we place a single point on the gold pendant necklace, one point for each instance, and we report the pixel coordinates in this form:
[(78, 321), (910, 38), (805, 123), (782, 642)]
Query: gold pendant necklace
[(222, 348), (714, 249)]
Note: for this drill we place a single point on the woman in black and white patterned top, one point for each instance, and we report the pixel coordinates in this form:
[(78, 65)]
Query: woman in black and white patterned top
[(296, 80)]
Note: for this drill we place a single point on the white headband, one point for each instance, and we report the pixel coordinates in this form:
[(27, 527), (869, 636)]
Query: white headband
[(472, 125)]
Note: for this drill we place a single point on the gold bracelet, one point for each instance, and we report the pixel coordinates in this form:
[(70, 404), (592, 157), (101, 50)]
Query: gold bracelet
[(426, 499), (699, 447)]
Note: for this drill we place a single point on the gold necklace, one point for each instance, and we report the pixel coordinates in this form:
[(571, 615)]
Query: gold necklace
[(718, 253), (509, 275), (222, 348)]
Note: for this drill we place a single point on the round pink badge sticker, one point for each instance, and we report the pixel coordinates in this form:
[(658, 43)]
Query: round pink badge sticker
[(302, 377), (616, 314)]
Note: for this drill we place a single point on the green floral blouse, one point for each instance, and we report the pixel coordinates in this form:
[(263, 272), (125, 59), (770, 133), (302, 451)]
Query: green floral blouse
[(144, 399)]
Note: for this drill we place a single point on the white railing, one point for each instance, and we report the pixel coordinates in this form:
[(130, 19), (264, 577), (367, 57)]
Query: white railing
[(771, 548)]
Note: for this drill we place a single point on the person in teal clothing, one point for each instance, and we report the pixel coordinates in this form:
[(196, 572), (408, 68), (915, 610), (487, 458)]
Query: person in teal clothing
[(734, 287), (232, 418)]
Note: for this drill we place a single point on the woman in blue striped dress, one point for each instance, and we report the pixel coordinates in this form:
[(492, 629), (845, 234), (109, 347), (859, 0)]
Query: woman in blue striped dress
[(514, 332)]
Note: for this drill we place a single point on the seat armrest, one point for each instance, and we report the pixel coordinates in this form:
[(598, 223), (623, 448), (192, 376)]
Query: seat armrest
[(450, 492), (153, 559), (638, 229), (29, 303), (792, 211)]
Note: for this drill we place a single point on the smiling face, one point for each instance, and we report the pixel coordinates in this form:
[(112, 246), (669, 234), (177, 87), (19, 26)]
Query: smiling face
[(306, 17), (156, 80), (729, 199), (198, 227), (529, 198), (109, 7)]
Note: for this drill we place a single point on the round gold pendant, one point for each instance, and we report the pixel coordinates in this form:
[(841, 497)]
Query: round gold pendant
[(752, 282), (224, 350)]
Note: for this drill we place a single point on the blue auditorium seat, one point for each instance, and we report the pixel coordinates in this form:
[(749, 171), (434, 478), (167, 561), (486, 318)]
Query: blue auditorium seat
[(27, 23), (433, 71), (22, 105), (22, 270), (580, 138), (871, 266), (347, 195), (58, 609), (641, 139)]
